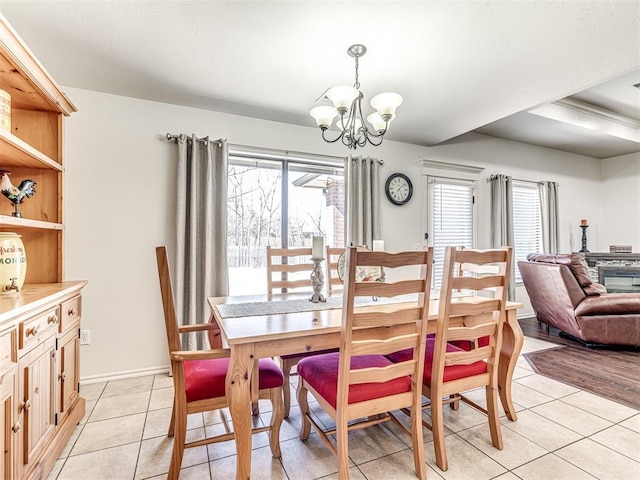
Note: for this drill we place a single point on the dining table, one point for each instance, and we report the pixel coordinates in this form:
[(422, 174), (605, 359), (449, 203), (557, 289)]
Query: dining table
[(262, 326)]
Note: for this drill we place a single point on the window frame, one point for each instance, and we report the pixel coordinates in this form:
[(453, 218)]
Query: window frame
[(532, 187)]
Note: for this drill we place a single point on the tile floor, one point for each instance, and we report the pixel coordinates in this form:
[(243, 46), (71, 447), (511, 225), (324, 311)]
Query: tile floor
[(561, 433)]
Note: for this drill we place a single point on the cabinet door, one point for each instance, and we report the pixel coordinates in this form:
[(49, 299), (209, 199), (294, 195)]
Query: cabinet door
[(8, 426), (68, 371), (37, 385)]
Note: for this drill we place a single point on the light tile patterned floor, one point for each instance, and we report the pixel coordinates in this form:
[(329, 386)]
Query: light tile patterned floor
[(561, 433)]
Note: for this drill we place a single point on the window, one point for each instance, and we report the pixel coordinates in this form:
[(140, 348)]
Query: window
[(280, 202), (450, 218), (527, 225)]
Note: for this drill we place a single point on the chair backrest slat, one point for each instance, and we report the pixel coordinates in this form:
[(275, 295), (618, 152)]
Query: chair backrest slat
[(380, 375), (384, 289), (478, 283), (468, 357), (382, 346), (393, 316)]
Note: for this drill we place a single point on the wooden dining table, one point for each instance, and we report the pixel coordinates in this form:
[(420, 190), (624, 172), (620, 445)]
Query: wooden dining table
[(254, 327)]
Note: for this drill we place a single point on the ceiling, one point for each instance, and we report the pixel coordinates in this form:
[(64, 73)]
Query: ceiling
[(461, 66)]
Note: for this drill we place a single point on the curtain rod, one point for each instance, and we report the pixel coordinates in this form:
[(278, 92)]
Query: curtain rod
[(271, 153), (535, 182), (172, 136)]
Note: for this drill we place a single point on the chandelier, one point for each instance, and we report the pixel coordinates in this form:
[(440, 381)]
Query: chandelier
[(353, 130)]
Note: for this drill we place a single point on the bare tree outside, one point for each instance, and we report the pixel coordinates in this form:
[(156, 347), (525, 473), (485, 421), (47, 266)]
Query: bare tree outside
[(256, 212)]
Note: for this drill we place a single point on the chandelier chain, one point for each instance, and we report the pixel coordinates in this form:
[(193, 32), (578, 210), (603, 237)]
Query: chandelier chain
[(357, 84)]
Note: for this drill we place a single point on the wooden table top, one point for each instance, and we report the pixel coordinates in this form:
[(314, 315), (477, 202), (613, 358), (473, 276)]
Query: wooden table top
[(255, 328)]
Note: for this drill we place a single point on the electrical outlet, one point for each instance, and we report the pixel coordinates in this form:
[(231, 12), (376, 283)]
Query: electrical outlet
[(85, 337), (417, 246)]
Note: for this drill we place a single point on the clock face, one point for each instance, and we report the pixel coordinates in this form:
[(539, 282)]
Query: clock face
[(398, 189)]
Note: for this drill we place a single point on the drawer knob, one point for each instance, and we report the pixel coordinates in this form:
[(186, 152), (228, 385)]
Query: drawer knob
[(63, 376), (72, 312), (16, 427), (52, 319), (27, 404), (33, 331)]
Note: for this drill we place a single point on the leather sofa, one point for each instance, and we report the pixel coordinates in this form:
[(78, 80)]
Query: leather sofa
[(563, 295)]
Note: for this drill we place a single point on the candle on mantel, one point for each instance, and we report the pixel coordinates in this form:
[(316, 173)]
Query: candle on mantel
[(378, 245), (317, 249), (583, 222)]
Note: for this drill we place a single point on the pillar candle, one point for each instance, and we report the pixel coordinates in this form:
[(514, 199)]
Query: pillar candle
[(317, 249), (378, 245)]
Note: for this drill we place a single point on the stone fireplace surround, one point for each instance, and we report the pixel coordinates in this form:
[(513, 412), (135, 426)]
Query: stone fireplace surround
[(619, 272)]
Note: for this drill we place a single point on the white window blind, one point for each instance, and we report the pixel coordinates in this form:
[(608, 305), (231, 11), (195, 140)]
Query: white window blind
[(451, 219), (527, 227)]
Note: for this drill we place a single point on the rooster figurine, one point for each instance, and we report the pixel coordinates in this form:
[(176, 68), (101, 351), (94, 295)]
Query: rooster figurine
[(15, 194)]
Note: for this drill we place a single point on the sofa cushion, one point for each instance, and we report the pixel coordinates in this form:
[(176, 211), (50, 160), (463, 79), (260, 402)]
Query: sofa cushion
[(610, 304), (578, 267)]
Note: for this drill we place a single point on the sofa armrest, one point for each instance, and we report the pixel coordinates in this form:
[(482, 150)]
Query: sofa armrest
[(609, 304)]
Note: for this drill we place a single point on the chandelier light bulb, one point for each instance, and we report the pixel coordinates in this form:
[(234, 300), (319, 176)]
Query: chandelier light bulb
[(342, 97), (324, 115), (386, 104), (378, 122)]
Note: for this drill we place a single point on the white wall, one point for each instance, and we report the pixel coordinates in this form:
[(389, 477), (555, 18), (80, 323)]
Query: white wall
[(119, 200), (621, 200)]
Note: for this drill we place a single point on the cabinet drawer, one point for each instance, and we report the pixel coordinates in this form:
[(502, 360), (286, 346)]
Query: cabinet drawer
[(38, 328), (70, 313), (8, 351)]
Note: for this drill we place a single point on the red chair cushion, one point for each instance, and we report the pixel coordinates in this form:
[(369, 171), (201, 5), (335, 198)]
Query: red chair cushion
[(206, 378), (466, 344), (452, 372), (321, 373)]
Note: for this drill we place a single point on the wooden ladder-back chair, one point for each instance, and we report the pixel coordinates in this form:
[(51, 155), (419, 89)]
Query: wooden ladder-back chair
[(359, 382), (332, 279), (465, 351), (199, 379), (284, 263)]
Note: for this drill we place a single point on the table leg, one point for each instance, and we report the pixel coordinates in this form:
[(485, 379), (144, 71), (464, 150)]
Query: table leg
[(239, 400), (512, 340)]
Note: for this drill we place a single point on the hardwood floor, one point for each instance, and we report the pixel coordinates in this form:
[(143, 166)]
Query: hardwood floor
[(610, 373)]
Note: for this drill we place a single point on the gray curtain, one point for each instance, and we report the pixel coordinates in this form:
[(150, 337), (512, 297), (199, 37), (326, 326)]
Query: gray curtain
[(362, 200), (502, 220), (550, 216), (201, 229)]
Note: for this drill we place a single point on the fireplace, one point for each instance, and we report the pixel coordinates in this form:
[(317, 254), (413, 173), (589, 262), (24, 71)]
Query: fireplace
[(619, 272), (620, 279)]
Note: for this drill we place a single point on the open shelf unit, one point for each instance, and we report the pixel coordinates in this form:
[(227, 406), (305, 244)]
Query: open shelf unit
[(33, 150)]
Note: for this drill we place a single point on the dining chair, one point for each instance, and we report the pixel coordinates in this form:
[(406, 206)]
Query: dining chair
[(285, 261), (332, 279), (199, 379), (465, 351), (359, 383), (288, 265)]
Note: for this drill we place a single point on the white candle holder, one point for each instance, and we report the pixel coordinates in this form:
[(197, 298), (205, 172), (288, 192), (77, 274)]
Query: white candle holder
[(317, 281)]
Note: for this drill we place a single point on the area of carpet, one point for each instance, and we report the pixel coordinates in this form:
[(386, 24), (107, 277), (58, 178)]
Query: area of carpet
[(608, 373)]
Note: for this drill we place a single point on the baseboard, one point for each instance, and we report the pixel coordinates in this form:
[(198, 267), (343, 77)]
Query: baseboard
[(123, 375)]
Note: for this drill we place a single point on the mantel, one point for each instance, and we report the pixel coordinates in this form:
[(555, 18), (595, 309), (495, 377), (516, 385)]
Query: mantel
[(615, 258)]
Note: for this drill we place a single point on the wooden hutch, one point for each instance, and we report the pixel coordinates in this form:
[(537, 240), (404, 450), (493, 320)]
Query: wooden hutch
[(39, 326)]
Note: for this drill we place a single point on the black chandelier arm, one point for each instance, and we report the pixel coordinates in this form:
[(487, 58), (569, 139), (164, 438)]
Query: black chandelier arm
[(335, 139), (369, 138)]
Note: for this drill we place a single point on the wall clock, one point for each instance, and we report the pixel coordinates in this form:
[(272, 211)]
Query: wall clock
[(398, 188)]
